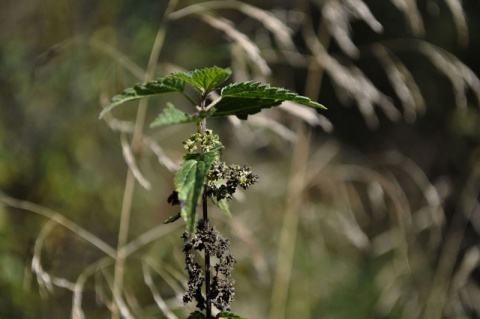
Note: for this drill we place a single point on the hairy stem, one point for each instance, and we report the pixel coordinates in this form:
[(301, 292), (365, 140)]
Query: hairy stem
[(203, 127), (207, 257), (203, 122)]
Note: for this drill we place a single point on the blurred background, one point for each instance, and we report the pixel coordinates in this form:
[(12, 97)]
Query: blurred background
[(367, 210)]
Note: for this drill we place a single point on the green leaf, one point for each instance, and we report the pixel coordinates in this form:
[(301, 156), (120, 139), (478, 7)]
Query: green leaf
[(223, 205), (246, 98), (242, 107), (228, 314), (169, 84), (205, 80), (196, 315), (189, 181), (172, 219), (171, 115)]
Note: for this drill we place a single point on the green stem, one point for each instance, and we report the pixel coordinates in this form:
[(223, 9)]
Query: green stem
[(203, 122)]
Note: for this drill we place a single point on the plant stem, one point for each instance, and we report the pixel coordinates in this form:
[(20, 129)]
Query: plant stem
[(203, 128), (207, 256), (203, 122)]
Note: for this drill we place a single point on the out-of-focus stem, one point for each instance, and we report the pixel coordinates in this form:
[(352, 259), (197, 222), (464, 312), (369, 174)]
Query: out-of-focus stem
[(444, 273), (313, 82), (130, 181), (288, 232)]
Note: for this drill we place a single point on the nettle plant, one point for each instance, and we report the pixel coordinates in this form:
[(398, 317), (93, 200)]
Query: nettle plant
[(203, 175)]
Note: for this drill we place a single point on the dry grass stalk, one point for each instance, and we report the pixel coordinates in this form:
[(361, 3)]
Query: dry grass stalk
[(288, 232), (338, 16)]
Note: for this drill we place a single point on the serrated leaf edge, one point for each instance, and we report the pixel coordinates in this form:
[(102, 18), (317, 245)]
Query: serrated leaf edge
[(134, 93), (258, 87)]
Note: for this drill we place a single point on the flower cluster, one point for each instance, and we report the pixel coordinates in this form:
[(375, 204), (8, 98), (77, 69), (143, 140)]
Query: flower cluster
[(223, 180), (207, 141), (221, 290)]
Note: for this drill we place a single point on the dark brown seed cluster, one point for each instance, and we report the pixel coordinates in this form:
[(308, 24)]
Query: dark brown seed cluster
[(221, 286)]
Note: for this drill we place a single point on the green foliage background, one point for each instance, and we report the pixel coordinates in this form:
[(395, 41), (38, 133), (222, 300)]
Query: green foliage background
[(365, 221)]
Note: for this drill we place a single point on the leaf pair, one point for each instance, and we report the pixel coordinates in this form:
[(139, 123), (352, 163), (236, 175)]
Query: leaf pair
[(239, 99)]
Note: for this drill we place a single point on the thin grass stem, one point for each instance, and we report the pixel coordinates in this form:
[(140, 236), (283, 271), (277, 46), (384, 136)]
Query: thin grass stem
[(288, 232), (439, 291), (60, 219), (130, 181), (313, 82)]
